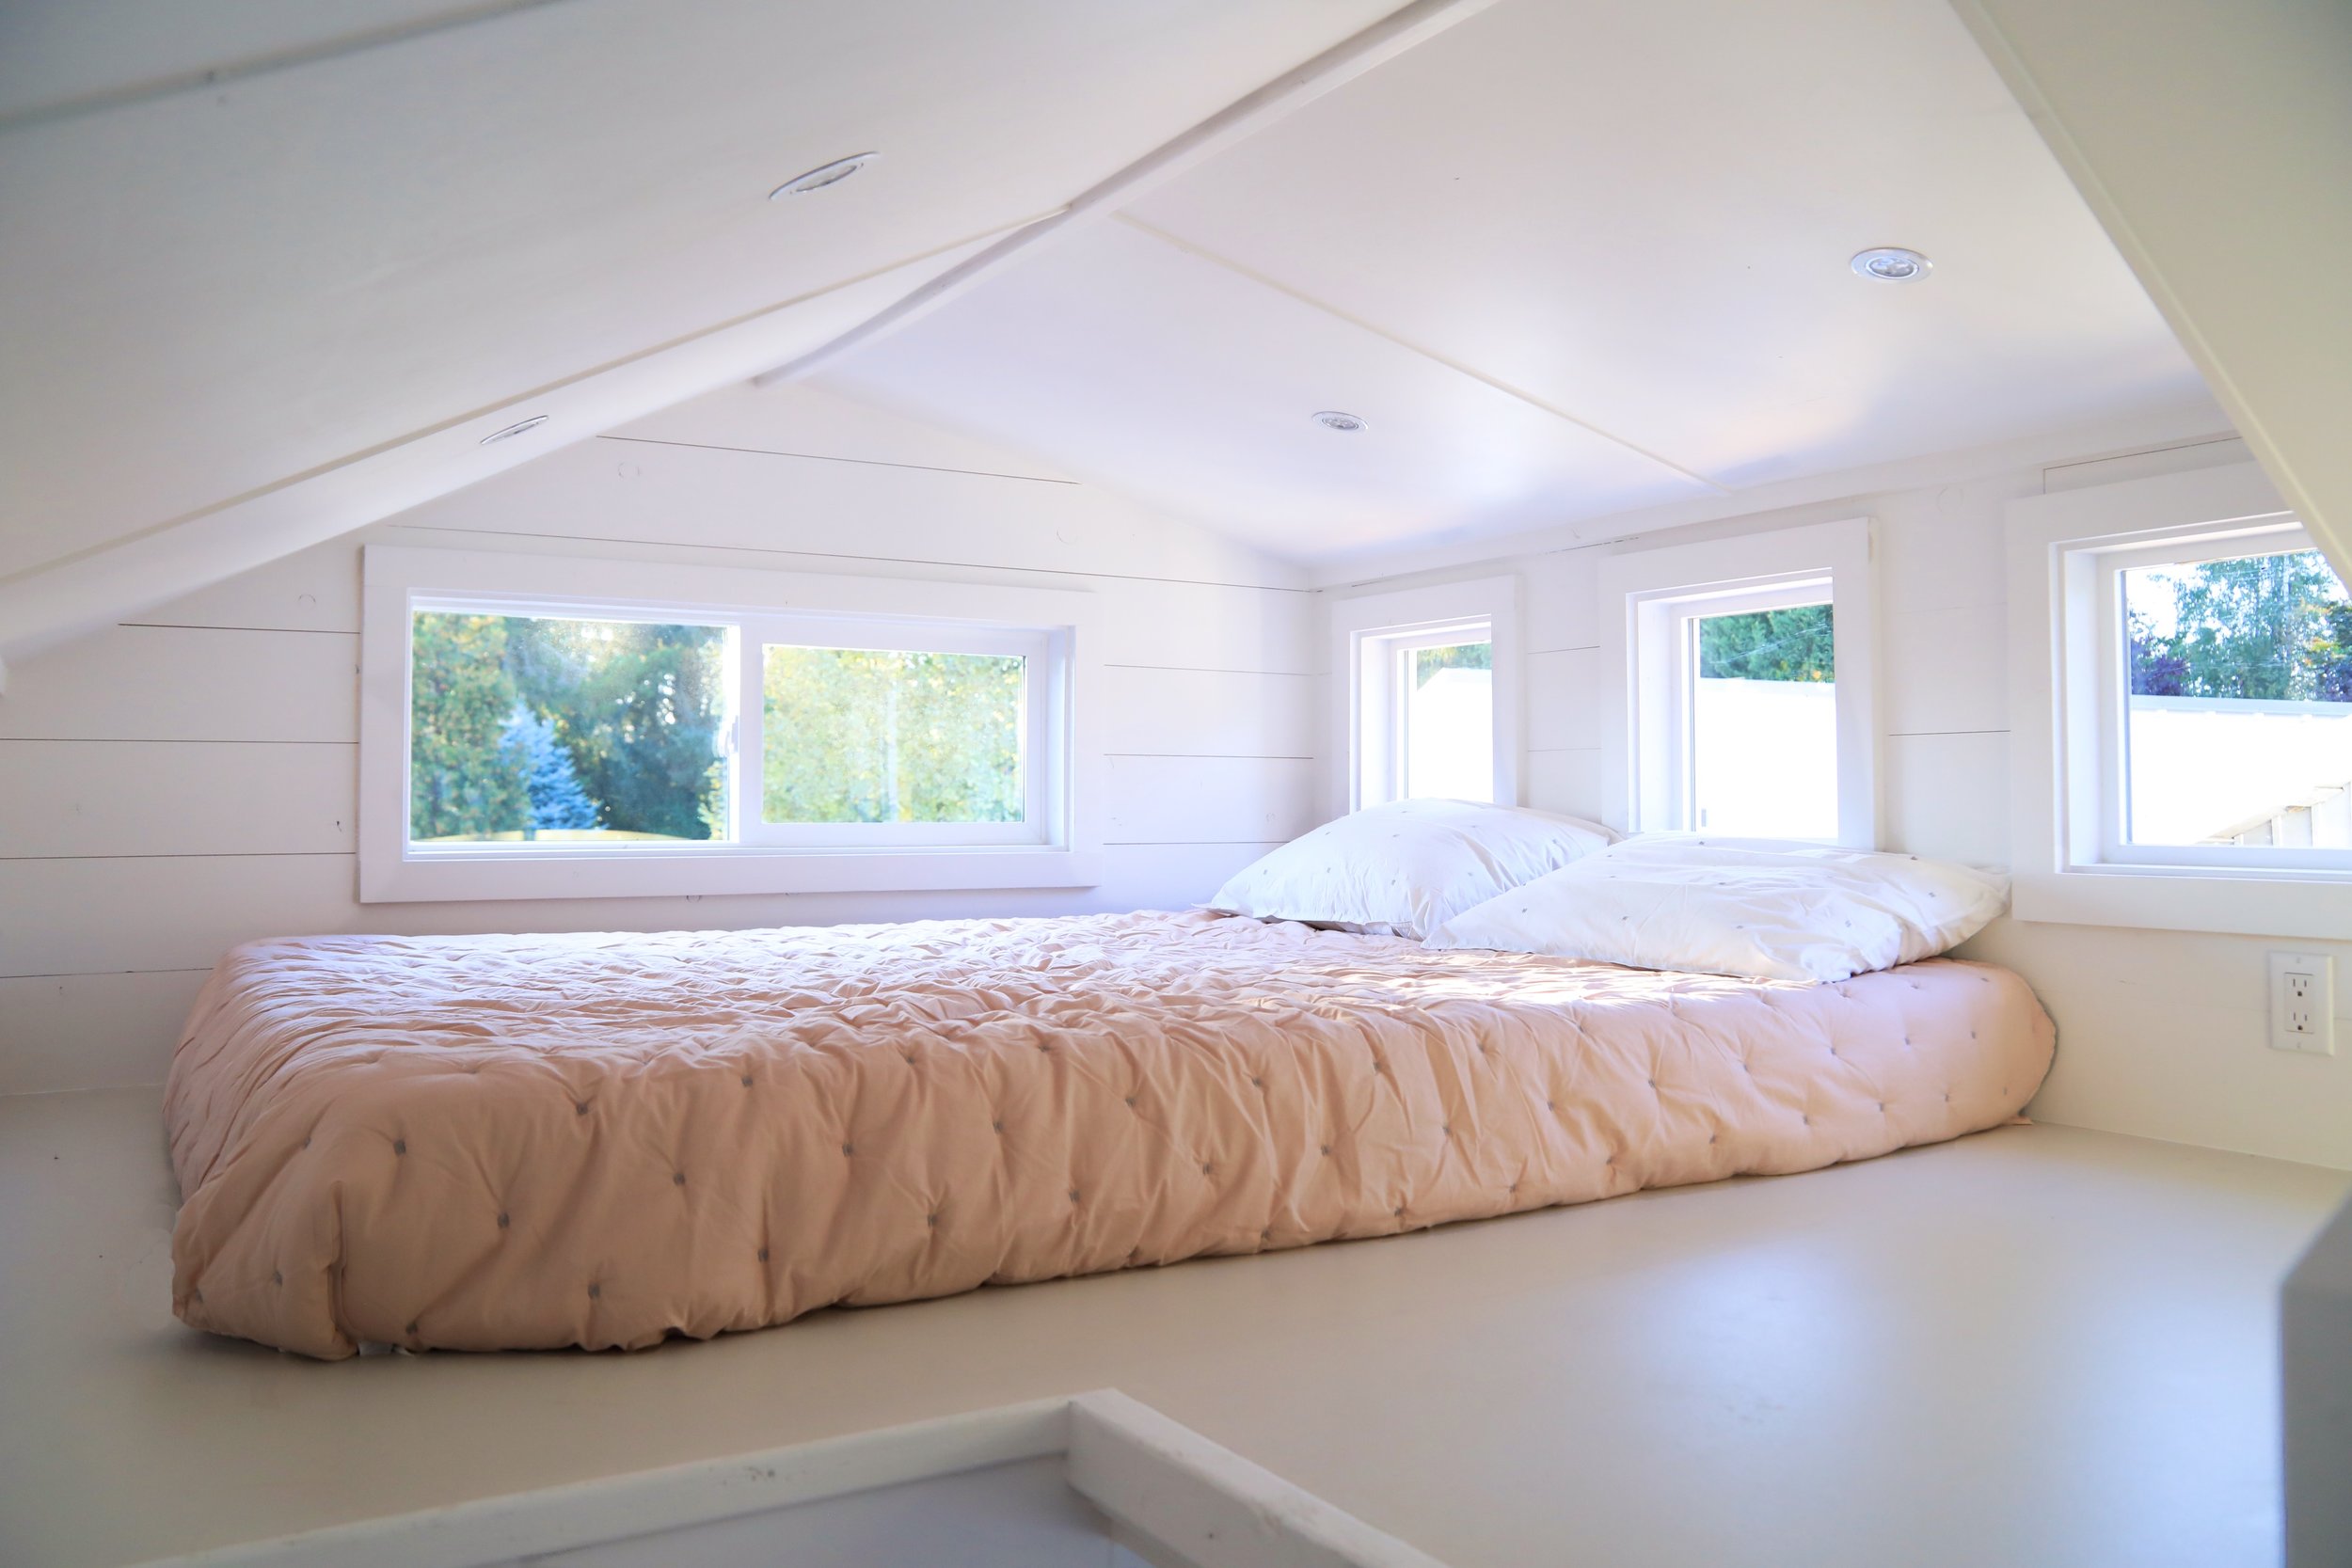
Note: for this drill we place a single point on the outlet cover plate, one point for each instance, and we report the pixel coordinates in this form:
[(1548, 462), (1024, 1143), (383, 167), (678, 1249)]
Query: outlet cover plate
[(2303, 1002)]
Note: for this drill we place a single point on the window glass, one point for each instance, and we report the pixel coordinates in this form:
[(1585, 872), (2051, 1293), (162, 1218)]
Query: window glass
[(1762, 725), (857, 735), (2238, 724), (527, 728), (1448, 718)]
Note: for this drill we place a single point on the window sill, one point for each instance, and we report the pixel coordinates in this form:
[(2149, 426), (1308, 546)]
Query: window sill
[(719, 871), (2275, 904)]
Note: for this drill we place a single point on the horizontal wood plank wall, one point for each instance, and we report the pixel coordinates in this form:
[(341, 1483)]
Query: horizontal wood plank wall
[(173, 786), (1944, 714), (2162, 1034)]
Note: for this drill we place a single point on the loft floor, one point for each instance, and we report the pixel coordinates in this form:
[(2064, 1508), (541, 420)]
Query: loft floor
[(2037, 1346)]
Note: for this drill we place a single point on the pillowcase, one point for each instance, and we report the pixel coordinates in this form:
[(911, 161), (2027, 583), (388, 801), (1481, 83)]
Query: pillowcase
[(1403, 869), (1759, 908)]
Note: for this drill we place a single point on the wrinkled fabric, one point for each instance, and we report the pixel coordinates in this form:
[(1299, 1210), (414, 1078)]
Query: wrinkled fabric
[(601, 1140), (1404, 869), (1754, 908)]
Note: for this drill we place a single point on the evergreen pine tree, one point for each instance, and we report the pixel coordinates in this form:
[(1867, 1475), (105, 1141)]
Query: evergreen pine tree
[(548, 778)]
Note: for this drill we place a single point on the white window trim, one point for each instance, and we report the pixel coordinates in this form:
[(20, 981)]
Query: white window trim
[(2100, 839), (1061, 848), (1367, 629), (1651, 591), (2063, 549)]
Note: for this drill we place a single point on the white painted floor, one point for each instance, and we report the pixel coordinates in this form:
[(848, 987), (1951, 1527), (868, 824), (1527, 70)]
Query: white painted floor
[(2038, 1346)]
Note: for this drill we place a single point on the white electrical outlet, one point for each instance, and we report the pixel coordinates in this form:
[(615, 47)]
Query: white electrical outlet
[(2303, 1002)]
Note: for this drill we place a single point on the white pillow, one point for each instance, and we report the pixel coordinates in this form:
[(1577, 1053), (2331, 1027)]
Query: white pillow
[(1762, 909), (1403, 869)]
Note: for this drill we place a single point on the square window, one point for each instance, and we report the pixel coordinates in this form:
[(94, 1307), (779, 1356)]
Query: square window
[(2235, 728), (1424, 725), (865, 735), (1737, 692), (1426, 693), (2181, 708)]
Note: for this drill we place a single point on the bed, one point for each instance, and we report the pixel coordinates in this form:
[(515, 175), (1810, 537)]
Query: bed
[(489, 1143)]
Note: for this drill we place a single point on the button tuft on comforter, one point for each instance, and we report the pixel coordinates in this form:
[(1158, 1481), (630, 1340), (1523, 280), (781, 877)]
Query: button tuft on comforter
[(1029, 1046)]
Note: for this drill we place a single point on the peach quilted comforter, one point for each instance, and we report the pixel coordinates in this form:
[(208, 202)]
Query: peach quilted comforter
[(496, 1142)]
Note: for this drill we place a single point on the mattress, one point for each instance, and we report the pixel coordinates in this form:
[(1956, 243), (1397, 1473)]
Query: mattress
[(603, 1140)]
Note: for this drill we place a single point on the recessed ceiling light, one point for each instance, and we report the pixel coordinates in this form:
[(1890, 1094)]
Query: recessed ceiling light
[(1892, 263), (1332, 418), (823, 175), (521, 427)]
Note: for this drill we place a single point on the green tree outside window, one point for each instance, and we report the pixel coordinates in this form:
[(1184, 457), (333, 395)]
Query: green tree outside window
[(2265, 628), (877, 735), (519, 724), (1798, 643)]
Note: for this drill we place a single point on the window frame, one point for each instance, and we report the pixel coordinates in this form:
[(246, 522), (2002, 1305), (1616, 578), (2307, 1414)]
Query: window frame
[(1395, 773), (1057, 846), (1659, 591), (2069, 695), (1371, 633), (2106, 840)]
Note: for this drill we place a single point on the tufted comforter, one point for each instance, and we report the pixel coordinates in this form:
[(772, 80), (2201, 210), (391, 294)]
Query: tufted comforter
[(485, 1143)]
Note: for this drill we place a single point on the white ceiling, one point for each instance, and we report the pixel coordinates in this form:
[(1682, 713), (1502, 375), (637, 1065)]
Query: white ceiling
[(1568, 260), (1125, 360), (83, 54), (381, 218), (270, 270)]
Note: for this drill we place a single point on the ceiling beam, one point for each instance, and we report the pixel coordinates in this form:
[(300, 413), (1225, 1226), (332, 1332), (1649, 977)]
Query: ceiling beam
[(1392, 35), (59, 599)]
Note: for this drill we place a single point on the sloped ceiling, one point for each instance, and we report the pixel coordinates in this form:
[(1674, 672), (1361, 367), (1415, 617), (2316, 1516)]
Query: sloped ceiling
[(1566, 260), (272, 271), (249, 247), (2217, 150)]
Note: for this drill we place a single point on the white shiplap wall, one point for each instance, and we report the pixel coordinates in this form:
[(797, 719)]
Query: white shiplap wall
[(2162, 1034), (173, 786)]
